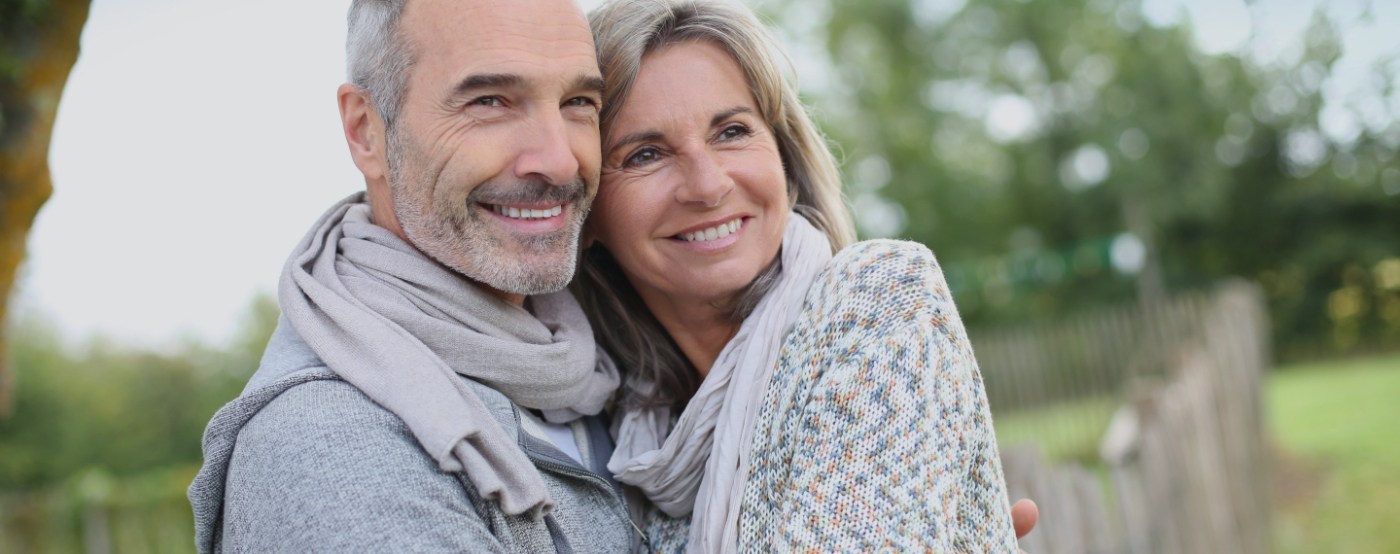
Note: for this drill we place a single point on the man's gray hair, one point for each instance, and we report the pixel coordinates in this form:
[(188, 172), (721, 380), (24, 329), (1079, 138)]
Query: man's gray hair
[(377, 56)]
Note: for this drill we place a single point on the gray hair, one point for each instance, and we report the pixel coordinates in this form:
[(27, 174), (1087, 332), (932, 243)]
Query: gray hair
[(658, 373), (377, 56)]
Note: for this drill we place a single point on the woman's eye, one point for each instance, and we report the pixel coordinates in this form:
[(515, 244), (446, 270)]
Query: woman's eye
[(734, 131), (641, 157)]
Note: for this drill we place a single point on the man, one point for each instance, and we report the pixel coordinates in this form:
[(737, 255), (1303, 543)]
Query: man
[(475, 124), (426, 389)]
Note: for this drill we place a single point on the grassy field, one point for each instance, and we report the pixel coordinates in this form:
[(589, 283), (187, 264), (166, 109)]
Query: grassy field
[(1339, 472), (1336, 429), (1068, 431)]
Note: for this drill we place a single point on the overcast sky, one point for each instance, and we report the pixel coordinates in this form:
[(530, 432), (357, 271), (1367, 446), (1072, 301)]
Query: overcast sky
[(198, 140)]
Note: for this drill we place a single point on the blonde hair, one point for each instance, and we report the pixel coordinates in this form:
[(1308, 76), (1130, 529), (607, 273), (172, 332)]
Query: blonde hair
[(625, 31)]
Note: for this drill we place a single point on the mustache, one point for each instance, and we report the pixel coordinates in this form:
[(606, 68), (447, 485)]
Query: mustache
[(529, 191)]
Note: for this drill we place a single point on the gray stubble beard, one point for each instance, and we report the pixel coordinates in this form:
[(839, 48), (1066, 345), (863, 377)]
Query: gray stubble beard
[(459, 238)]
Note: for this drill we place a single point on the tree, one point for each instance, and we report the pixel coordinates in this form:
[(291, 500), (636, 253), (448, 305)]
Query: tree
[(38, 47), (1032, 144)]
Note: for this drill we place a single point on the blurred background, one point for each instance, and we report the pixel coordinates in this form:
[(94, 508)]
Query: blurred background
[(1172, 227)]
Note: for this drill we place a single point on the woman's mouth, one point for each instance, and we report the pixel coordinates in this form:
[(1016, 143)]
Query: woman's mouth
[(711, 233)]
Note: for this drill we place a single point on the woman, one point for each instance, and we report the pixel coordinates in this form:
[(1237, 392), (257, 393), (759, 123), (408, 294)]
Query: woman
[(777, 398)]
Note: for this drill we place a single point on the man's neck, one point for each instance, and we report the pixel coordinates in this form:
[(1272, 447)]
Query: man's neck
[(517, 299)]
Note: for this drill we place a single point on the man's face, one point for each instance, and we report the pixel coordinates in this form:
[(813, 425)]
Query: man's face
[(493, 161)]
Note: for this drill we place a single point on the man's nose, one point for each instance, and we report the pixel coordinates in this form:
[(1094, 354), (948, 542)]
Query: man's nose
[(707, 181), (548, 153)]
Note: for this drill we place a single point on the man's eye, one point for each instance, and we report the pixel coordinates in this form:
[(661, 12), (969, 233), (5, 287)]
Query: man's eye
[(641, 157), (488, 101), (581, 102)]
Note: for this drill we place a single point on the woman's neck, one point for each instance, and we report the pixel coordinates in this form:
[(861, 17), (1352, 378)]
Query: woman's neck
[(700, 329)]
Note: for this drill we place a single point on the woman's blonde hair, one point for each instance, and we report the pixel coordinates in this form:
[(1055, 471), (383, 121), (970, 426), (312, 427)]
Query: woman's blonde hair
[(625, 31)]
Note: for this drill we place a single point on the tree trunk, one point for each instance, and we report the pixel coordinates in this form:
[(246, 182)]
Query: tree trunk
[(38, 47)]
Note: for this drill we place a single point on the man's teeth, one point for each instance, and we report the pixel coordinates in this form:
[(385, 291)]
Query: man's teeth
[(719, 231), (518, 213)]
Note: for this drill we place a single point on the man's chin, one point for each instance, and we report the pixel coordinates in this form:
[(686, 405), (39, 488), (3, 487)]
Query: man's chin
[(525, 275)]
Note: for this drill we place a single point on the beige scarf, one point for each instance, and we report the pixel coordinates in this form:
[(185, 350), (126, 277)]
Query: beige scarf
[(700, 465), (401, 328)]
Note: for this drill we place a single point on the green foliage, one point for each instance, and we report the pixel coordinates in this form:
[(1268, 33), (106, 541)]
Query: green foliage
[(116, 409), (105, 438), (18, 20), (1017, 139), (96, 512)]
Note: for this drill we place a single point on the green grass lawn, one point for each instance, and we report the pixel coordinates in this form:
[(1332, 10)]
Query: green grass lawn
[(1337, 468), (1069, 431), (1340, 469)]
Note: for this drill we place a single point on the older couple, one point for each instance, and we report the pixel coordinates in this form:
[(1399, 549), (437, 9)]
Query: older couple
[(771, 386)]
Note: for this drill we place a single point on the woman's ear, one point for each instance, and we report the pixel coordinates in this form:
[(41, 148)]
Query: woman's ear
[(586, 240), (587, 237)]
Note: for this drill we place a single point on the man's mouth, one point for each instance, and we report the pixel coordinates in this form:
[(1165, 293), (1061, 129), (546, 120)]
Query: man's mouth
[(515, 212)]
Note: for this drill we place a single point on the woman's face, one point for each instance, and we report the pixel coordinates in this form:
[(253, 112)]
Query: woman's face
[(693, 200)]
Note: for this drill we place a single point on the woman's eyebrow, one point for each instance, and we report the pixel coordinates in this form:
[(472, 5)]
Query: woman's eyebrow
[(652, 135), (726, 114), (641, 136)]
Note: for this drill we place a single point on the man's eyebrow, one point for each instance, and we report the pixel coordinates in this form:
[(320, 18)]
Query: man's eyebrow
[(585, 83), (726, 114), (589, 83), (487, 80)]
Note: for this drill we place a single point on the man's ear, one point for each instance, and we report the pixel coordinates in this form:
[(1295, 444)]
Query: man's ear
[(365, 135), (364, 132)]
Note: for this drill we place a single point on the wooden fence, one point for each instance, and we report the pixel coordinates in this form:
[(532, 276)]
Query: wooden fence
[(1136, 430), (1170, 398)]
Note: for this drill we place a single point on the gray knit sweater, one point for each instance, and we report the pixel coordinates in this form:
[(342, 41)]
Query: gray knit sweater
[(304, 462)]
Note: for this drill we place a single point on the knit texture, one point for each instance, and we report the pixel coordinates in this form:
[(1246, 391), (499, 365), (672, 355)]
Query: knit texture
[(875, 434), (303, 461)]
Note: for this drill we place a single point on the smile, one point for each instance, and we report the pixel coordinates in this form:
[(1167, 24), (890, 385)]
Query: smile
[(717, 232), (526, 213)]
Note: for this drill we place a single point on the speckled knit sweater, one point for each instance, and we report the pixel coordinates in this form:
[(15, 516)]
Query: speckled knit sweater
[(875, 434)]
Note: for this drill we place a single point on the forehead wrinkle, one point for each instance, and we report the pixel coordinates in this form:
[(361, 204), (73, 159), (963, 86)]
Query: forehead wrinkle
[(503, 29), (481, 36)]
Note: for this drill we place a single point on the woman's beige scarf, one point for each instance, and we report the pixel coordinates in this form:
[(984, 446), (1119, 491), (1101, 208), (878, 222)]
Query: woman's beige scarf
[(699, 466)]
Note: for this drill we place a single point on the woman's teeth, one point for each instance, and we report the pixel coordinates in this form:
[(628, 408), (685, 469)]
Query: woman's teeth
[(719, 231), (518, 213)]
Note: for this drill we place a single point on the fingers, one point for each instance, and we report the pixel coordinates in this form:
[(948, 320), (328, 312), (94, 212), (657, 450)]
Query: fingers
[(1024, 514)]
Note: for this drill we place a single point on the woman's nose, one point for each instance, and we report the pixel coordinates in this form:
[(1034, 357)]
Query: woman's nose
[(707, 182)]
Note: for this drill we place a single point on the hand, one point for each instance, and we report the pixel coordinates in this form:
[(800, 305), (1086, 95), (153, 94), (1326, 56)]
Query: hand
[(1024, 514)]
